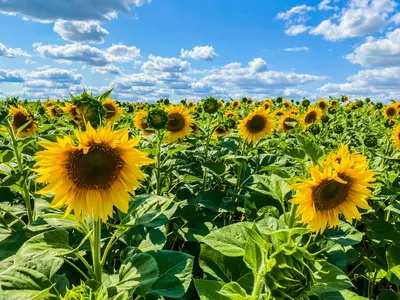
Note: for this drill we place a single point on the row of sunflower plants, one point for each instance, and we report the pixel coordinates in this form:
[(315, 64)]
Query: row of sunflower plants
[(273, 199)]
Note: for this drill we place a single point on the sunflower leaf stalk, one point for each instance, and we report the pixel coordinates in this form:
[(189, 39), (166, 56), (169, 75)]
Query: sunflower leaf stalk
[(96, 249)]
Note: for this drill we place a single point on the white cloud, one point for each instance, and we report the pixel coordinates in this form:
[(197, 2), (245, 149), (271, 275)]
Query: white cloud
[(81, 31), (395, 19), (127, 82), (378, 52), (11, 76), (297, 29), (84, 10), (296, 49), (206, 53), (12, 52), (361, 17), (295, 14), (257, 65), (325, 5), (87, 54), (110, 69), (165, 64), (57, 75)]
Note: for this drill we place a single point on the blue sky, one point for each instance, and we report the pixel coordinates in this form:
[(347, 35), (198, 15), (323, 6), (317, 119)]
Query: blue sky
[(192, 49)]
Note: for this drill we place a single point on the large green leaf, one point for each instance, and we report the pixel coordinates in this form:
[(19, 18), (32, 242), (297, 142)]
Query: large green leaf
[(175, 269), (145, 238), (393, 261), (137, 273), (346, 235), (234, 291), (329, 278), (208, 290), (313, 150), (229, 240)]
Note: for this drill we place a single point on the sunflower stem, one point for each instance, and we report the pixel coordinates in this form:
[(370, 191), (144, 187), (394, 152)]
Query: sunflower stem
[(258, 285), (25, 191), (97, 250), (159, 163), (292, 216), (209, 134)]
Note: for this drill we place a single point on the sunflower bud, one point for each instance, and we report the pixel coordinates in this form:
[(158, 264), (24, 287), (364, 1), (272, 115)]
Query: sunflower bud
[(370, 141), (325, 119), (314, 129), (379, 105), (390, 123), (279, 99), (157, 119), (210, 105), (359, 103), (332, 110), (368, 100), (305, 102)]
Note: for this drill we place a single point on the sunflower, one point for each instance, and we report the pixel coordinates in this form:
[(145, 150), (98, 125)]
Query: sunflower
[(73, 113), (249, 101), (236, 104), (343, 151), (231, 114), (287, 103), (288, 122), (321, 103), (194, 127), (258, 124), (313, 115), (93, 176), (49, 102), (390, 111), (294, 111), (333, 102), (113, 110), (53, 112), (279, 112), (21, 118), (268, 104), (191, 104), (139, 122), (220, 130), (178, 124), (220, 103), (396, 137), (337, 188)]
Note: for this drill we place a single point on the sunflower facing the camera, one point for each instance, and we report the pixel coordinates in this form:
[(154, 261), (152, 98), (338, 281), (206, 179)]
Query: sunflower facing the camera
[(390, 111), (256, 125), (100, 172), (22, 121), (287, 122), (113, 110), (178, 124), (139, 122), (313, 115), (322, 104), (236, 104)]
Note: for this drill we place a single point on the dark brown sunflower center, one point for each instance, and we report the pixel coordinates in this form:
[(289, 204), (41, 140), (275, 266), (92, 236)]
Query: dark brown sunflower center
[(220, 130), (330, 193), (322, 105), (20, 120), (175, 123), (111, 110), (289, 123), (311, 117), (73, 111), (256, 124), (391, 111), (235, 104), (98, 169), (266, 106)]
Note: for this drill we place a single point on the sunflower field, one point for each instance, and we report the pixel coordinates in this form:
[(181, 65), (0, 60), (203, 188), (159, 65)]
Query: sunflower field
[(239, 199)]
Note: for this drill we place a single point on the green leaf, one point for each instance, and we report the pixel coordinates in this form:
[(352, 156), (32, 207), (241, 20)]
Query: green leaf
[(53, 242), (329, 278), (208, 289), (234, 291), (346, 235), (313, 151), (137, 274), (229, 240), (254, 256), (275, 186), (342, 295), (145, 238), (393, 261), (144, 209), (216, 167), (175, 269), (220, 267), (387, 295)]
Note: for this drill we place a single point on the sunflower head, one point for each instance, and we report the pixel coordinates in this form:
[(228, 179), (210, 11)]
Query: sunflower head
[(344, 98), (258, 124), (113, 110), (210, 105), (332, 110), (249, 101), (313, 115), (220, 103), (294, 111), (49, 102), (22, 121), (321, 103), (390, 111), (194, 127), (179, 122), (191, 104), (92, 176), (279, 112), (79, 292), (286, 103), (268, 104), (53, 111), (231, 114), (337, 187), (314, 129), (236, 104), (157, 118), (379, 105), (279, 99), (220, 130), (305, 102), (139, 122), (288, 122), (396, 137), (333, 102)]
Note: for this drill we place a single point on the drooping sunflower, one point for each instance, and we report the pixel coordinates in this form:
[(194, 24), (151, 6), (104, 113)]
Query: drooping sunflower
[(333, 102), (113, 110), (258, 124), (93, 176), (321, 103), (313, 115), (390, 111), (288, 122), (53, 111), (139, 122), (268, 104), (73, 113), (338, 188), (49, 102), (20, 119), (396, 137), (220, 130), (343, 151), (236, 104), (287, 103), (178, 124)]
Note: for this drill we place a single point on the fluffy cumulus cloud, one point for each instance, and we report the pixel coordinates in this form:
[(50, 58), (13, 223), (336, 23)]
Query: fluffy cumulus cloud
[(257, 65), (81, 31), (165, 64), (57, 75), (382, 83), (11, 76), (206, 53), (295, 14), (359, 18), (127, 82), (378, 52), (327, 5), (110, 69), (297, 29), (12, 52), (87, 54), (84, 10), (296, 49)]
